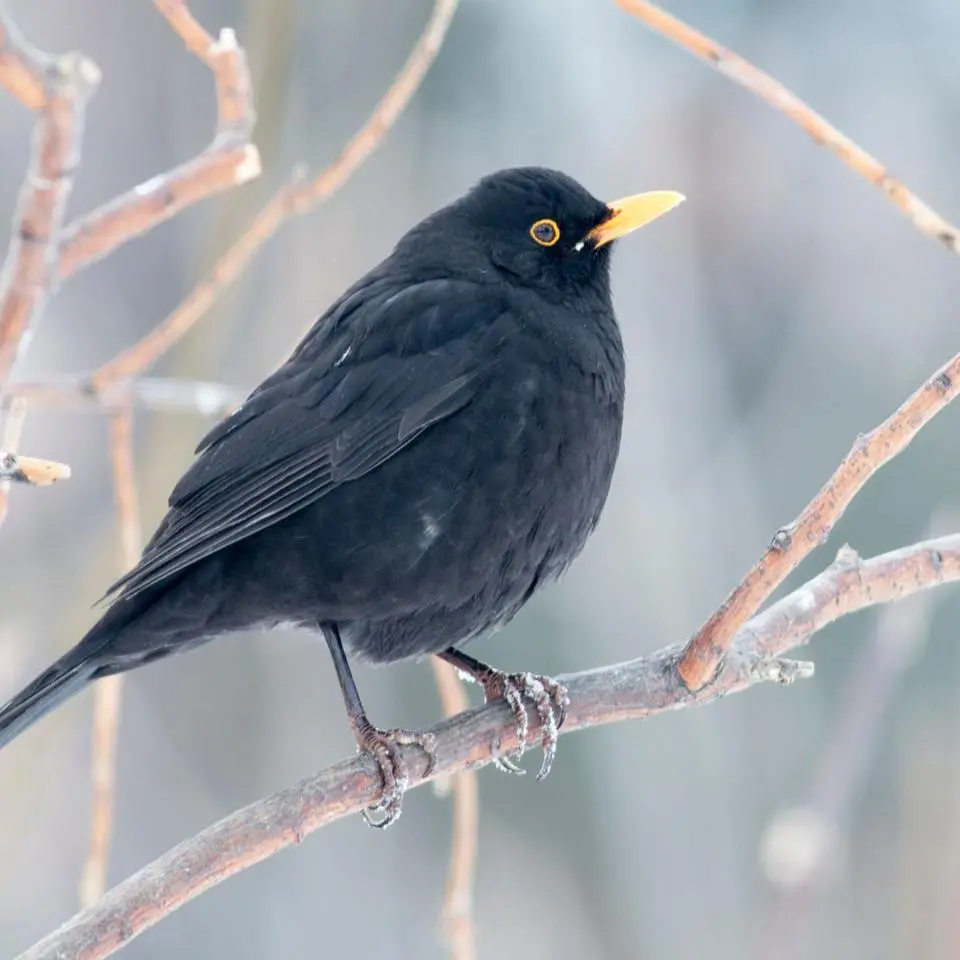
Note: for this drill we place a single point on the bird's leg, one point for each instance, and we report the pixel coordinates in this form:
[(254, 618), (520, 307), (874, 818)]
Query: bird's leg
[(382, 745), (548, 697)]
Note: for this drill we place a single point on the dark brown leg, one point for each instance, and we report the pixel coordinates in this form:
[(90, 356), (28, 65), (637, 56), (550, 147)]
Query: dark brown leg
[(382, 745), (547, 696)]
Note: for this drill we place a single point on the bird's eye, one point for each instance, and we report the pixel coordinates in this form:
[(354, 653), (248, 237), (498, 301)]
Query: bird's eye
[(545, 232)]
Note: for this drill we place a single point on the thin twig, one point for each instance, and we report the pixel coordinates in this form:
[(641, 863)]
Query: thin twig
[(457, 914), (107, 693), (147, 393), (296, 197), (29, 271), (230, 160), (792, 543), (22, 66), (17, 469), (638, 688), (823, 133)]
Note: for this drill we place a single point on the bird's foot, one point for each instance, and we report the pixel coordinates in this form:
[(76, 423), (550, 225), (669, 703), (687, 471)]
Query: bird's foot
[(548, 697), (384, 746)]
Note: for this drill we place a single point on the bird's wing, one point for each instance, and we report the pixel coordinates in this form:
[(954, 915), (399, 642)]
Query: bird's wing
[(352, 395)]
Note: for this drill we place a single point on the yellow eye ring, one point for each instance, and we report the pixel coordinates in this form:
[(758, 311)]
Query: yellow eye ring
[(545, 232)]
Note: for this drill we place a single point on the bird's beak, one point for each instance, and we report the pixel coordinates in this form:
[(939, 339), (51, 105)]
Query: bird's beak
[(628, 214)]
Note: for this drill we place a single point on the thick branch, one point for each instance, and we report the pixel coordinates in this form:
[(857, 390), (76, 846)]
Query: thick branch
[(791, 544), (823, 133), (231, 159), (638, 688)]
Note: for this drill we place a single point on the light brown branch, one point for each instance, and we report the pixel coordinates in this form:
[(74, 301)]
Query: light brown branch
[(296, 197), (29, 272), (22, 66), (30, 470), (638, 688), (17, 469), (107, 693), (457, 914), (146, 393), (705, 652), (823, 133), (230, 160)]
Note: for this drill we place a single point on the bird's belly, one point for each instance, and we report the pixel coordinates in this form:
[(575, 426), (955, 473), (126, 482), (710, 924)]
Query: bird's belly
[(450, 537)]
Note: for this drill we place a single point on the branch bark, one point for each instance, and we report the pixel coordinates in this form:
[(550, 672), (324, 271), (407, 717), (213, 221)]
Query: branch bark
[(30, 268), (638, 688)]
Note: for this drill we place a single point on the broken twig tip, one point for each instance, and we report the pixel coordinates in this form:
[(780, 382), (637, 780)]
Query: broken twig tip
[(30, 470)]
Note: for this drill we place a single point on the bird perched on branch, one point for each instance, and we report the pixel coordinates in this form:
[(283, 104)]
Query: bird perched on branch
[(437, 448)]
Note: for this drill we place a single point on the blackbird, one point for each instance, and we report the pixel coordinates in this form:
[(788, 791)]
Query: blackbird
[(437, 448)]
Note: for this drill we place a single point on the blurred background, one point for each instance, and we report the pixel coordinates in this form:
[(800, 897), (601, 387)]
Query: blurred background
[(786, 307)]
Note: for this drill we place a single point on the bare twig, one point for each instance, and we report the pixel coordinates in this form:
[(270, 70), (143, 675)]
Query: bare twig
[(638, 688), (29, 271), (30, 470), (741, 71), (458, 899), (147, 393), (17, 469), (107, 693), (22, 66), (230, 160), (296, 197), (792, 543)]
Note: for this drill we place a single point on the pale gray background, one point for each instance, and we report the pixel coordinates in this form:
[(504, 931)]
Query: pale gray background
[(783, 309)]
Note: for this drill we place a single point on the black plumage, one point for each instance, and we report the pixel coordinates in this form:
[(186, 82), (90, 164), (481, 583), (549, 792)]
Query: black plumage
[(438, 446)]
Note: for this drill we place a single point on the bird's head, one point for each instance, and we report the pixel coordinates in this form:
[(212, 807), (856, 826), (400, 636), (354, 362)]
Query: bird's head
[(540, 227)]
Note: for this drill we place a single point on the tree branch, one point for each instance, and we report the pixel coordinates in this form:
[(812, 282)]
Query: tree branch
[(144, 393), (17, 469), (31, 264), (107, 693), (22, 66), (792, 543), (230, 160), (296, 197), (823, 133), (457, 914), (638, 688)]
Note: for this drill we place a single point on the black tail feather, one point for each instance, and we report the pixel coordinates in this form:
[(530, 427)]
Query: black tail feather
[(70, 674)]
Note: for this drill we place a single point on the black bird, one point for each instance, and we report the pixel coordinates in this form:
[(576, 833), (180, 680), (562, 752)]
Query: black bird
[(437, 448)]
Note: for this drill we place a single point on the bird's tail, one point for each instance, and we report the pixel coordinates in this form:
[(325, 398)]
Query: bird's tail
[(69, 675)]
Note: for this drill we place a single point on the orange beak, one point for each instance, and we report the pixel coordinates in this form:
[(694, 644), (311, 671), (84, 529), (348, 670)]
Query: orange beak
[(628, 214)]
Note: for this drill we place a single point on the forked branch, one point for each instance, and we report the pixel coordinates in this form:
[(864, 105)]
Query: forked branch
[(638, 688)]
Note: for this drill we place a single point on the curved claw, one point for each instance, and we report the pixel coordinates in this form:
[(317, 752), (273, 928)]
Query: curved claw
[(383, 746), (504, 763), (550, 700)]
